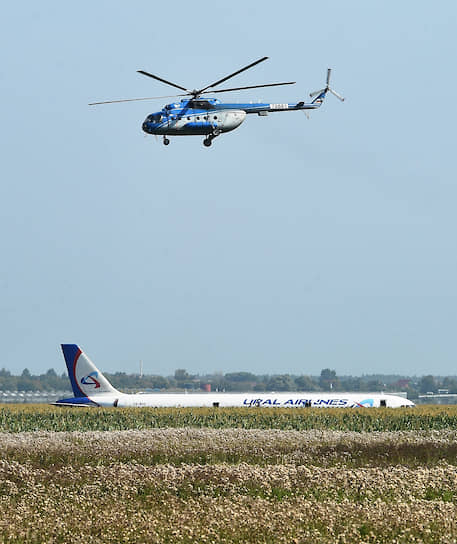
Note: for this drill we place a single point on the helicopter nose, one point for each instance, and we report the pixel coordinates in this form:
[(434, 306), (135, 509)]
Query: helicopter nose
[(145, 126)]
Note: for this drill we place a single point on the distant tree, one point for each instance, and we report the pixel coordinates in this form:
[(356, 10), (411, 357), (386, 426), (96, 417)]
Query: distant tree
[(241, 377), (158, 382), (451, 384), (305, 383), (376, 385), (259, 386), (328, 379), (282, 382), (412, 391), (427, 384), (181, 375), (353, 384), (133, 382), (26, 373), (25, 384), (50, 380), (219, 383)]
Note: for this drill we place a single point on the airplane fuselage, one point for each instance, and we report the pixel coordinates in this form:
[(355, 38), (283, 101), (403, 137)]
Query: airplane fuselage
[(251, 400)]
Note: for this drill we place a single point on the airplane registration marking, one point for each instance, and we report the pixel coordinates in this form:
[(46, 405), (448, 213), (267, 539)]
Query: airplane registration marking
[(279, 106)]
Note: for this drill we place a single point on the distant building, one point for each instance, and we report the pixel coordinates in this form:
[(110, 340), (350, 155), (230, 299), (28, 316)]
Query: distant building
[(27, 397)]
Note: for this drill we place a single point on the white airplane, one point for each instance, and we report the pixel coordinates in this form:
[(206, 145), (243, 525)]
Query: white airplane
[(91, 388)]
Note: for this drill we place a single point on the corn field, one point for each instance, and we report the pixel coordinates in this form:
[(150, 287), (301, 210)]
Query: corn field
[(228, 476), (39, 417)]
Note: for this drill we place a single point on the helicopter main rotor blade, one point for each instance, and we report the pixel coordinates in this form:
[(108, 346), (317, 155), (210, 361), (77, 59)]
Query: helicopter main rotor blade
[(135, 99), (249, 87), (163, 80), (232, 75)]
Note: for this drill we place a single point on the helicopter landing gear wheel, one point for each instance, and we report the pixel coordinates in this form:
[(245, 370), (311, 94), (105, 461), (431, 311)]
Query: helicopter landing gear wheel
[(209, 139), (166, 141)]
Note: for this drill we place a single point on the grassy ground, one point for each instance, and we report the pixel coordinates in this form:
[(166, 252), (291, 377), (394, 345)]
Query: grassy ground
[(279, 482)]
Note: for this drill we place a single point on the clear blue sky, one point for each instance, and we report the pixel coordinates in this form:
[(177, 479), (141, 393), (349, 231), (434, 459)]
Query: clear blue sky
[(289, 246)]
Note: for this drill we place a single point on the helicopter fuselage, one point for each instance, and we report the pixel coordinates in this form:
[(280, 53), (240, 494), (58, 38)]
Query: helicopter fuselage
[(209, 116), (198, 122)]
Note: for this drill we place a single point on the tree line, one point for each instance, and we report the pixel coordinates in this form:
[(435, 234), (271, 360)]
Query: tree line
[(328, 380)]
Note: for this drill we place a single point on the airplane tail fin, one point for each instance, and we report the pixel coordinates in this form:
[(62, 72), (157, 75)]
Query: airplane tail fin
[(86, 380)]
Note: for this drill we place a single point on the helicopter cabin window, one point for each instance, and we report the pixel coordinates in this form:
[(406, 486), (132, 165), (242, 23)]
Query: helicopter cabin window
[(198, 118), (188, 118), (215, 117)]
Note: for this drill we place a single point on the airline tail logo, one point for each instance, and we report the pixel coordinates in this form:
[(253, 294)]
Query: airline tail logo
[(91, 379)]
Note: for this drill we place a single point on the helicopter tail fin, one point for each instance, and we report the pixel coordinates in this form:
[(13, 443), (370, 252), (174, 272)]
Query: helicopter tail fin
[(319, 98)]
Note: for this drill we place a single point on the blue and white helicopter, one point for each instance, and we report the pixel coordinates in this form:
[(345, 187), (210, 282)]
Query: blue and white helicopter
[(210, 117)]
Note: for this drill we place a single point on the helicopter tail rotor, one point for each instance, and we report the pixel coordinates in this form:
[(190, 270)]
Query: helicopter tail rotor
[(320, 94)]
